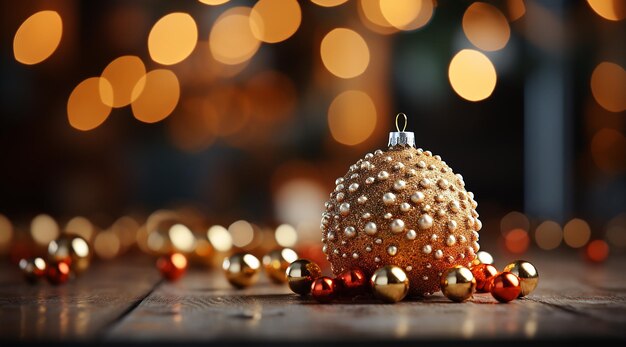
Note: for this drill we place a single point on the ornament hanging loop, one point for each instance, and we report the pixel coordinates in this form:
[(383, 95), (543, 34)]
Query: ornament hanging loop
[(406, 121), (401, 137)]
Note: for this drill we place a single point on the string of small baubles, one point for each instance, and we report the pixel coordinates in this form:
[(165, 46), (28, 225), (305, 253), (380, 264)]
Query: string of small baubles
[(389, 283), (69, 255)]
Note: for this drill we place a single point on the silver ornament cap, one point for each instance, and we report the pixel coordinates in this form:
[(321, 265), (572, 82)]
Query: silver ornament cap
[(401, 137)]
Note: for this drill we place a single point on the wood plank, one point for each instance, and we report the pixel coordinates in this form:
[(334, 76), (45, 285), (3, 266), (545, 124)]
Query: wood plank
[(78, 310), (203, 307)]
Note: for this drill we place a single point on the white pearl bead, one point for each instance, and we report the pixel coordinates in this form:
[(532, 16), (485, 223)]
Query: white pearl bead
[(339, 180), (454, 206), (438, 254), (355, 255), (339, 187), (405, 207), (452, 225), (369, 180), (426, 250), (425, 222), (392, 250), (417, 197), (421, 164), (369, 156), (462, 239), (331, 236), (366, 165), (399, 185), (353, 187), (387, 215), (349, 232), (411, 234), (389, 198), (344, 209), (362, 199), (370, 228), (450, 240), (378, 152), (377, 260), (398, 166), (479, 225), (425, 182), (411, 173), (340, 196), (366, 215), (397, 226), (383, 175), (443, 183)]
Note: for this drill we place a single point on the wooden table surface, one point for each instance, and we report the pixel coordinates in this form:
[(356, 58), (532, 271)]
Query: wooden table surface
[(126, 301)]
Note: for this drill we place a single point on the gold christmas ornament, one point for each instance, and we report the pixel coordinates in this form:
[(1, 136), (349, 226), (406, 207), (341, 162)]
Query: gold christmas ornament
[(458, 283), (242, 269), (301, 274), (402, 206), (276, 263), (33, 269), (390, 284), (482, 257), (72, 250), (527, 273)]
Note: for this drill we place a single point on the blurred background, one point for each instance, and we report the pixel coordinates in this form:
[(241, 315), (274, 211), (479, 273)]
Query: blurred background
[(237, 116)]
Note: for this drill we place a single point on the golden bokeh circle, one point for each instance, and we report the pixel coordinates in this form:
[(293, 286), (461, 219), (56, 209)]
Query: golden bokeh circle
[(472, 75), (38, 37), (352, 117), (345, 53)]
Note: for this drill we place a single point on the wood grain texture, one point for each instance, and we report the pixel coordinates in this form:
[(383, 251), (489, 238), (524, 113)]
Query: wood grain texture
[(203, 307), (125, 301), (79, 310)]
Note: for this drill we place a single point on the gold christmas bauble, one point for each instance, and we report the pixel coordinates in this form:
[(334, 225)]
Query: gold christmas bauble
[(70, 249), (402, 206), (242, 269), (390, 284), (276, 263), (458, 283), (527, 273)]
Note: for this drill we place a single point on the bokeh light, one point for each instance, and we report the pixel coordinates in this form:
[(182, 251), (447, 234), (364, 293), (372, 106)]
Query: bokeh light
[(286, 235), (155, 96), (517, 241), (88, 105), (182, 238), (597, 251), (220, 238), (107, 245), (516, 9), (486, 27), (614, 10), (6, 233), (576, 233), (172, 38), (616, 231), (608, 150), (514, 220), (372, 17), (345, 53), (352, 117), (298, 200), (472, 75), (126, 229), (38, 37), (548, 235), (44, 229), (328, 3), (213, 2), (275, 20), (123, 74), (231, 40), (608, 86), (407, 14), (80, 226), (242, 233)]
